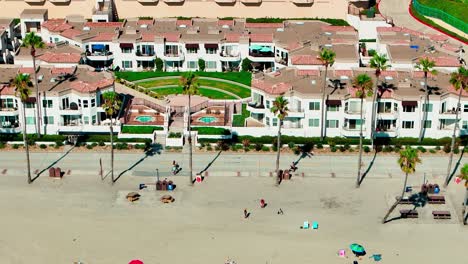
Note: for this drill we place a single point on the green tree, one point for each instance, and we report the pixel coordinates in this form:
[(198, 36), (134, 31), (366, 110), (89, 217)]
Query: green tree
[(190, 85), (464, 176), (459, 80), (33, 41), (427, 66), (327, 57), (201, 65), (159, 63), (246, 65), (22, 82), (407, 162), (280, 109), (111, 107), (379, 63), (364, 85)]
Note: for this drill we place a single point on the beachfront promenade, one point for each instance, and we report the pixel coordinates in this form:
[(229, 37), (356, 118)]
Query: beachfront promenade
[(82, 218)]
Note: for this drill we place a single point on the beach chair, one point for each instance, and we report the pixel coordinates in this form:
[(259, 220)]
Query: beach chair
[(306, 225), (342, 253), (376, 257), (315, 225)]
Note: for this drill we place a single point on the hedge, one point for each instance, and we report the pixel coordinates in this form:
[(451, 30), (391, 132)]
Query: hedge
[(141, 129), (331, 21), (59, 138), (211, 131)]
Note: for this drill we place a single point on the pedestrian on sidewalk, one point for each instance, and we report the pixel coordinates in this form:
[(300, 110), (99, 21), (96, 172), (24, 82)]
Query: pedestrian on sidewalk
[(246, 214)]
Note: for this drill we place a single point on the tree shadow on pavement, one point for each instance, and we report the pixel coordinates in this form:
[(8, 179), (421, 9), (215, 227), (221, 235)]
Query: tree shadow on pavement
[(52, 164), (455, 169), (149, 152), (305, 151), (211, 163), (371, 164)]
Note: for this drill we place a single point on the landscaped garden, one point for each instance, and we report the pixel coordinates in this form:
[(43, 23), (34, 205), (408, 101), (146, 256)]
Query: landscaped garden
[(213, 94), (239, 120), (456, 8), (140, 129)]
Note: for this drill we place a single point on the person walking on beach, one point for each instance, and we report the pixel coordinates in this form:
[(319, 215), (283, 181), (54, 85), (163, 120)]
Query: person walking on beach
[(262, 203), (246, 214)]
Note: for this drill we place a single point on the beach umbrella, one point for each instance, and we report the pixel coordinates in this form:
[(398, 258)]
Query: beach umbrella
[(356, 248), (136, 261)]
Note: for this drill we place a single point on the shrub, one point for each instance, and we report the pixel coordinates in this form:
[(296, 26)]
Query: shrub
[(456, 150), (140, 129), (432, 151), (371, 52), (211, 131), (437, 148), (333, 149), (89, 146), (246, 143), (342, 148), (387, 149), (297, 150), (159, 63), (347, 146), (121, 146), (258, 146), (246, 65), (234, 147), (366, 149), (175, 135), (201, 64), (351, 150), (140, 146), (421, 149), (319, 145), (265, 148), (209, 148), (101, 143), (291, 145), (446, 148), (274, 147), (58, 143), (15, 146), (43, 146)]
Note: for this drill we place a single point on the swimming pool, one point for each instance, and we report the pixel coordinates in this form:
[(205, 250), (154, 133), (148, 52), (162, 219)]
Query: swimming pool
[(144, 119), (208, 119)]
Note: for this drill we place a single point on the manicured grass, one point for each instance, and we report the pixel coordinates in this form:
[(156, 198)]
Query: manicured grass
[(240, 77), (229, 87), (456, 8), (239, 120), (203, 92), (211, 131), (140, 129)]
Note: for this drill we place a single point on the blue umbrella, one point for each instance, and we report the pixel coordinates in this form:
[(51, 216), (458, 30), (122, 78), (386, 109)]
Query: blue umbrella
[(357, 249)]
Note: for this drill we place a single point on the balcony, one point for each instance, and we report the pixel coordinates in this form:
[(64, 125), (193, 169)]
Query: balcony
[(173, 1), (302, 2), (296, 112), (256, 107), (387, 115), (234, 56), (283, 61), (70, 111), (225, 1), (64, 127), (34, 1), (6, 111), (99, 56), (173, 56), (59, 1), (351, 132), (448, 114), (145, 56), (352, 114), (147, 1), (386, 132), (251, 1), (262, 54), (295, 125)]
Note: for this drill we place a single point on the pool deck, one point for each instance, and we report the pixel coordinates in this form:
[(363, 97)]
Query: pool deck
[(140, 110), (216, 112)]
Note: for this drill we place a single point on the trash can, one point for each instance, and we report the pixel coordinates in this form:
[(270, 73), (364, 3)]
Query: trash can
[(52, 172), (58, 172)]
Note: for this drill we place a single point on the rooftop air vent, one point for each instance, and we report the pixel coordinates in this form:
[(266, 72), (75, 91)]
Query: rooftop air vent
[(299, 23), (280, 29), (388, 78), (86, 28), (144, 26), (313, 82), (226, 26), (343, 77), (328, 45), (52, 80), (422, 84), (182, 26), (328, 33)]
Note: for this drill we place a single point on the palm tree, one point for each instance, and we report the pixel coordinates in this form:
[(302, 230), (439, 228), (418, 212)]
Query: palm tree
[(464, 176), (327, 57), (190, 85), (22, 82), (33, 41), (427, 66), (280, 109), (364, 85), (111, 107), (459, 80), (379, 63), (407, 161)]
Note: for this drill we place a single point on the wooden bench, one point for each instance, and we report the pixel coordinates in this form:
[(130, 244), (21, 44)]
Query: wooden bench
[(441, 215), (404, 200), (406, 213), (436, 199)]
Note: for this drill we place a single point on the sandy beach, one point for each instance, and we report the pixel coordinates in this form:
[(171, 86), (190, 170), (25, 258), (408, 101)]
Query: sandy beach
[(80, 218)]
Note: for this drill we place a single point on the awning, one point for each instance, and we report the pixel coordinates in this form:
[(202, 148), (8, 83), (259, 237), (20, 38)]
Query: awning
[(191, 45), (126, 45), (333, 102), (98, 46), (211, 46), (266, 49), (255, 47), (409, 103)]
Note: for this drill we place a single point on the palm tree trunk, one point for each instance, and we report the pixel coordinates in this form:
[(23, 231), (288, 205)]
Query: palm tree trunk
[(278, 146), (26, 146), (38, 102), (397, 201), (421, 131), (322, 119), (358, 179), (374, 110), (452, 145), (112, 151), (190, 140)]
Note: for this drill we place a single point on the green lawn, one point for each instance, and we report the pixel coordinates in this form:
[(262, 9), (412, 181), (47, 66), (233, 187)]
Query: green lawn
[(456, 8), (239, 120), (240, 77), (140, 129), (229, 87), (203, 92)]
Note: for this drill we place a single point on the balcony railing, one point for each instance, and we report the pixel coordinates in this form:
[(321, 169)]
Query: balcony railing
[(262, 55), (296, 109), (453, 111), (8, 124), (283, 61), (99, 53), (8, 109), (256, 105), (140, 54)]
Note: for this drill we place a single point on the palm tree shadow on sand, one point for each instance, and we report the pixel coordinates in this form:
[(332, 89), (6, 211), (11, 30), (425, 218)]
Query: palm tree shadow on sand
[(455, 169), (417, 200), (149, 152), (52, 164)]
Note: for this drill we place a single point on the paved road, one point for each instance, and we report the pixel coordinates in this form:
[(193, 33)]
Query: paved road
[(224, 164)]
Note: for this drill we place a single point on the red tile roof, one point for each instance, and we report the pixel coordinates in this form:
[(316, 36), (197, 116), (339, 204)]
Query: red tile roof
[(81, 86), (420, 74), (232, 37), (261, 37), (452, 90), (437, 37), (308, 73), (446, 61), (412, 32), (147, 37), (7, 90), (339, 73), (389, 29), (390, 73), (450, 47), (104, 37), (103, 24), (70, 33), (188, 23), (338, 29), (293, 45), (145, 21), (401, 42), (277, 88), (171, 36), (305, 60), (60, 57), (57, 71), (28, 70), (264, 25), (225, 22), (56, 25)]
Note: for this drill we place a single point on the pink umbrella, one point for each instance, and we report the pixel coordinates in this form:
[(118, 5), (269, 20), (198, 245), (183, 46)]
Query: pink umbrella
[(136, 261)]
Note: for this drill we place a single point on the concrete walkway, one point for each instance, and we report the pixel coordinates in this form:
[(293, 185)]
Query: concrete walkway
[(398, 11), (120, 88)]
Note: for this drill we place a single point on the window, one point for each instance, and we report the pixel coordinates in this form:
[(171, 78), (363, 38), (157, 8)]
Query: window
[(333, 108), (86, 120), (211, 51), (267, 121), (79, 102), (192, 50), (407, 124), (409, 109), (126, 64), (395, 107), (192, 64), (48, 120), (267, 104), (30, 120), (384, 107), (275, 121), (47, 103), (7, 103), (93, 102), (93, 119), (314, 122), (30, 105), (332, 123), (427, 108), (465, 124), (211, 64), (147, 50), (465, 108), (65, 103), (314, 106), (427, 124), (85, 103), (127, 50)]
